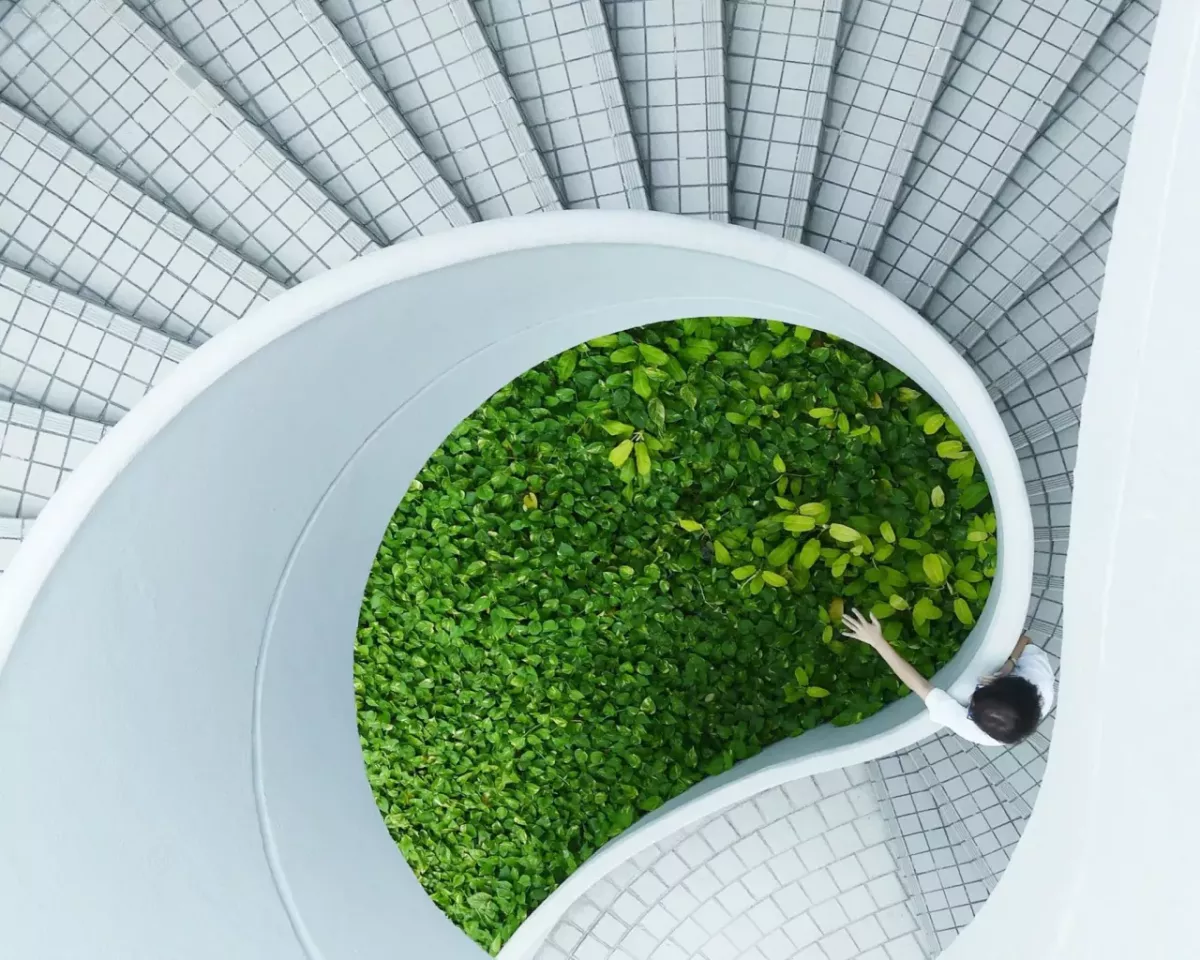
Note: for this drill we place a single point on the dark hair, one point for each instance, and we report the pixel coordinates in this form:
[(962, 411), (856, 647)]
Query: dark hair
[(1007, 709)]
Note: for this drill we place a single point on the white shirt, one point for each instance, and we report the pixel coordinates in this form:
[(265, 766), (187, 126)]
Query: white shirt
[(1033, 665)]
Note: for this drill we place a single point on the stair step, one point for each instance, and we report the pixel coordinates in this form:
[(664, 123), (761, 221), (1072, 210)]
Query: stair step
[(559, 62), (141, 109), (287, 67), (73, 357), (780, 62), (40, 448), (433, 61), (980, 126), (1048, 402), (671, 61), (1067, 179), (12, 532), (889, 69), (74, 224), (1056, 317)]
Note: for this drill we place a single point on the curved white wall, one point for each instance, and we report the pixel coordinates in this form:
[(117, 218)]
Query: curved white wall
[(181, 770)]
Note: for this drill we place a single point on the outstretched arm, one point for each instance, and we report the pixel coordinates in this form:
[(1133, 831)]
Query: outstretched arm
[(1014, 656), (871, 633)]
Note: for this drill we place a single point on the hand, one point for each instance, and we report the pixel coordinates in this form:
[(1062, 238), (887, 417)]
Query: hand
[(867, 631)]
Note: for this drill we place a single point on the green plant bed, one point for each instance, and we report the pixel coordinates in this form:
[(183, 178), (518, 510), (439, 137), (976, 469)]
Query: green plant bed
[(625, 572)]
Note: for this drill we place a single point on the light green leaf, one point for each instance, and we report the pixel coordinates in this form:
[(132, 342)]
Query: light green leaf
[(741, 573), (963, 612), (721, 552), (564, 366), (653, 355), (820, 413), (642, 456), (809, 553), (691, 526), (641, 383), (620, 453), (886, 531), (801, 676), (843, 534), (758, 356), (935, 573), (934, 424), (617, 429), (937, 497), (782, 553), (772, 579), (778, 464), (817, 693), (796, 523), (624, 355)]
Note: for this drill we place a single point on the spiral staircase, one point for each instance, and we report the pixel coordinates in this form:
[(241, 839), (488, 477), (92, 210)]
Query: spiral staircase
[(168, 166)]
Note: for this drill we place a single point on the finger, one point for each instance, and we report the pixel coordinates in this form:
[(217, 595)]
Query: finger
[(875, 620)]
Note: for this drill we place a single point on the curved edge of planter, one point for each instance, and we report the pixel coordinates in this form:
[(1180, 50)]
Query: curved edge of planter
[(826, 748)]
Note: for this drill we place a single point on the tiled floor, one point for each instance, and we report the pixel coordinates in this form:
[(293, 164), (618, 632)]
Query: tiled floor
[(802, 871)]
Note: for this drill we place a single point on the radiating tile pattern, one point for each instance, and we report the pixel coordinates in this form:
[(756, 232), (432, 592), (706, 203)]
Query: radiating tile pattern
[(1011, 65), (559, 62), (780, 58), (799, 871), (288, 68), (1063, 184), (71, 222), (12, 532), (434, 61), (1057, 316), (671, 58), (38, 448), (1047, 401), (98, 73), (65, 354), (892, 57)]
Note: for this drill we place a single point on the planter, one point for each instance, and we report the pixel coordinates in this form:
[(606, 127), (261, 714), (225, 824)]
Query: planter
[(193, 590)]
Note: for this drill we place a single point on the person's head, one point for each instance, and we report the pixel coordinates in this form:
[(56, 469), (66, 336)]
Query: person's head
[(1006, 709)]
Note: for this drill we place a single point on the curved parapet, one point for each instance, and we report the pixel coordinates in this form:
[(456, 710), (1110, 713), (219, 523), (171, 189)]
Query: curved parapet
[(176, 709)]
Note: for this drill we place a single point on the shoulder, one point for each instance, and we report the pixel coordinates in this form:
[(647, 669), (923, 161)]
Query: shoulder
[(948, 712), (1034, 665)]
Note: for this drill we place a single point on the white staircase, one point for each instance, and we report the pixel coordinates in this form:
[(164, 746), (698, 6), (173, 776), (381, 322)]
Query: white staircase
[(166, 166)]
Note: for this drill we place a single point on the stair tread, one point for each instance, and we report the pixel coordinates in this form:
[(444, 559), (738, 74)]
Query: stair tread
[(980, 125), (63, 353), (559, 63), (150, 115), (286, 66), (40, 448), (1066, 180), (671, 61), (780, 61), (433, 61), (1054, 317), (74, 224), (889, 68)]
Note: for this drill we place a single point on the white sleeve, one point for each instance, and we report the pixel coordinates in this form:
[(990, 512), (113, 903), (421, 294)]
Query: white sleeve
[(948, 712), (1034, 665)]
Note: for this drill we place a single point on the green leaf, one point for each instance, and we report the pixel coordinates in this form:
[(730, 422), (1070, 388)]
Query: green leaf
[(743, 573), (642, 456), (759, 354), (756, 585), (950, 449), (688, 395), (529, 501), (817, 693), (843, 534), (772, 579), (963, 612), (778, 464), (934, 424), (886, 531), (641, 383), (624, 355), (721, 553), (820, 413), (809, 553), (782, 554), (617, 429), (802, 334), (564, 366), (937, 497), (620, 453), (734, 417), (973, 496), (653, 355), (691, 526), (797, 523), (935, 573), (605, 342), (801, 676)]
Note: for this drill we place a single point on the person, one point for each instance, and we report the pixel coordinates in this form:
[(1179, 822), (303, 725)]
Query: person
[(1005, 708)]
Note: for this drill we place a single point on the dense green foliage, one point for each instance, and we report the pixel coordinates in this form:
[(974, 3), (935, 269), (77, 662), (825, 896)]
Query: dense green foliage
[(624, 572)]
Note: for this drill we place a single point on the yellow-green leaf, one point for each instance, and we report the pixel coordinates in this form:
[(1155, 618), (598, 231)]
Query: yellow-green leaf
[(802, 676), (604, 342), (820, 413), (741, 573), (652, 355), (965, 589), (963, 612), (778, 464), (837, 607), (950, 449), (641, 383), (812, 509), (817, 693), (797, 523), (897, 602), (617, 429), (802, 333), (758, 356), (529, 501), (756, 585), (624, 355), (934, 424), (721, 552), (782, 553), (620, 453), (935, 573), (809, 553), (772, 579), (691, 526), (937, 497), (842, 533), (886, 531), (643, 459)]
